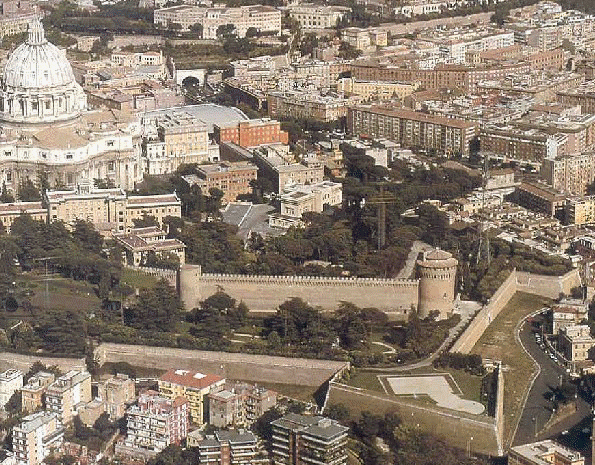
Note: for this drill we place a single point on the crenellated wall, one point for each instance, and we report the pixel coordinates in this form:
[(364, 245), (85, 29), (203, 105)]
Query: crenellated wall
[(396, 297)]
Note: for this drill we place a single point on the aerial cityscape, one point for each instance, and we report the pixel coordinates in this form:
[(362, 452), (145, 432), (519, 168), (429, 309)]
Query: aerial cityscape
[(279, 232)]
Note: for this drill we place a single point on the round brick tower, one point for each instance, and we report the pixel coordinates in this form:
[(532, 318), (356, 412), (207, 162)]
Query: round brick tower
[(437, 272)]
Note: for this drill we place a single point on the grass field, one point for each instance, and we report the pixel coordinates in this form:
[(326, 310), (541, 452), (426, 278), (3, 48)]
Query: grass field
[(137, 279), (499, 343), (365, 380)]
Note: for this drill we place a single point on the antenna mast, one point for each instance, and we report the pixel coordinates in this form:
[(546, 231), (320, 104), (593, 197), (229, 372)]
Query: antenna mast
[(484, 239)]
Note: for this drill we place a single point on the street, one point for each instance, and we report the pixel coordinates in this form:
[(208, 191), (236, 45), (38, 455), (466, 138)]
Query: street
[(538, 409)]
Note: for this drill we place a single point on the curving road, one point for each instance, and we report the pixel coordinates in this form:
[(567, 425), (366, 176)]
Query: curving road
[(537, 409)]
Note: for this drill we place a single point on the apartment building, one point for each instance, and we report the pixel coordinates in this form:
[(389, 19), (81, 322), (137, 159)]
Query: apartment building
[(186, 140), (375, 90), (232, 178), (36, 437), (32, 392), (11, 211), (575, 342), (583, 95), (139, 243), (570, 174), (184, 15), (251, 133), (193, 386), (153, 424), (568, 313), (10, 382), (108, 209), (362, 39), (539, 453), (579, 211), (306, 105), (299, 199), (413, 129), (117, 392), (104, 208), (541, 198), (436, 77), (16, 16), (299, 439), (158, 206), (274, 163), (132, 59), (230, 448), (66, 393), (511, 143), (239, 404), (263, 18), (312, 17)]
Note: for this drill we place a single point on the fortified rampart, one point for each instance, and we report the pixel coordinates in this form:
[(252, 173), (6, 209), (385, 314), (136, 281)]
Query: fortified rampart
[(246, 367), (439, 421), (23, 362), (545, 286), (396, 297)]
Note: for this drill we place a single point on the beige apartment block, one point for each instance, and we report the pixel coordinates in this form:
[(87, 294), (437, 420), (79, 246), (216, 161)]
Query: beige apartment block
[(32, 392), (312, 17), (36, 437), (193, 386), (10, 382), (109, 209), (232, 178), (117, 392), (375, 90), (575, 342), (539, 453), (64, 395), (11, 211)]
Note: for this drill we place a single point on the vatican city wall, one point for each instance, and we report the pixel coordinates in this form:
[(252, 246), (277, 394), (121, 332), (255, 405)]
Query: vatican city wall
[(518, 281), (246, 367), (24, 362), (396, 297), (439, 421)]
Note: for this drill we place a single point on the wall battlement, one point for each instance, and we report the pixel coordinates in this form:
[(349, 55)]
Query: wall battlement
[(396, 297)]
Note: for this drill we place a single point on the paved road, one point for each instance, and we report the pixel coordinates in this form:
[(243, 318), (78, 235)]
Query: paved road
[(538, 410), (407, 271)]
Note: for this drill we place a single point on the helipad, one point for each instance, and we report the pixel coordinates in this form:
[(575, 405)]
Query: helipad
[(437, 388)]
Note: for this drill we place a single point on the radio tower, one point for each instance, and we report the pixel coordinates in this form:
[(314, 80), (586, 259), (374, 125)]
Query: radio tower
[(483, 253)]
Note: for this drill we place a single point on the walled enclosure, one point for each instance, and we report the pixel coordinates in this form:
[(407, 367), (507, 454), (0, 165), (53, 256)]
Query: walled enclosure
[(545, 286), (396, 297)]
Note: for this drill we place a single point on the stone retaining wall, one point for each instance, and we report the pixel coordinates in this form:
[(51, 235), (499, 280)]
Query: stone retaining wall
[(257, 368)]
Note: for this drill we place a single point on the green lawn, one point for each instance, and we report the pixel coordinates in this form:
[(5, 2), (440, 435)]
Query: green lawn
[(499, 343), (137, 279), (365, 380)]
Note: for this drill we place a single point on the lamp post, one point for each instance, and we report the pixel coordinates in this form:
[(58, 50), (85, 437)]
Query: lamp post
[(469, 446)]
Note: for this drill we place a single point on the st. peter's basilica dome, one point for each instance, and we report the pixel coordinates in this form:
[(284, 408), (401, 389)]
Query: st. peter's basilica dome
[(38, 84)]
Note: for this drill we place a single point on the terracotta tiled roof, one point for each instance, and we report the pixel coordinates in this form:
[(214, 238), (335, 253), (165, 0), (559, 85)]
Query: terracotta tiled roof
[(190, 378)]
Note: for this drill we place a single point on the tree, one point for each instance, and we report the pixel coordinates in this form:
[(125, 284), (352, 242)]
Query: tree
[(262, 427), (145, 222), (103, 183), (251, 32), (156, 309), (28, 192), (337, 412), (6, 196), (87, 236), (197, 29), (225, 30)]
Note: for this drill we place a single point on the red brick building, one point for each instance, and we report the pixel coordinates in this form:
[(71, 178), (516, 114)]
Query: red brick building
[(251, 132)]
